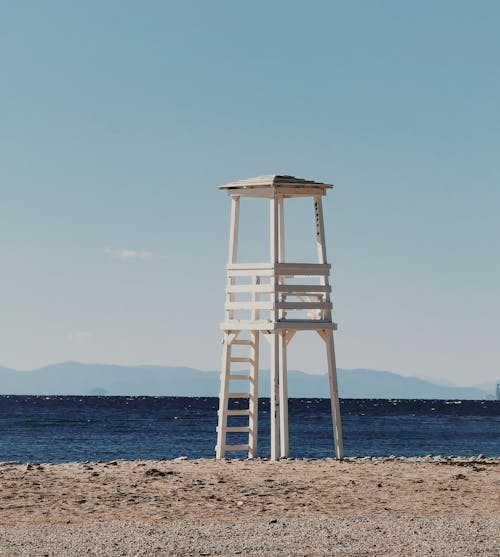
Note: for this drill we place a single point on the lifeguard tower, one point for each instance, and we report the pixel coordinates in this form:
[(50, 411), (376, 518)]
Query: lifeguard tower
[(274, 299)]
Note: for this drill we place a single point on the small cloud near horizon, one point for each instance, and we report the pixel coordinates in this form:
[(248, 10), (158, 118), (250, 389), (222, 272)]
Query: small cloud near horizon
[(80, 336), (126, 254)]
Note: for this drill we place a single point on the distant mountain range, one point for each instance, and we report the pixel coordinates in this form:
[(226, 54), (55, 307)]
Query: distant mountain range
[(71, 378)]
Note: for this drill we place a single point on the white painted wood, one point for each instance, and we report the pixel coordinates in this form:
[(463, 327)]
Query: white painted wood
[(289, 335), (281, 314), (250, 305), (280, 269), (320, 230), (249, 266), (274, 256), (281, 229), (275, 181), (267, 305), (243, 273), (253, 404), (262, 325), (283, 395), (275, 405), (274, 231), (251, 288), (305, 325), (321, 248), (303, 305), (243, 342), (302, 289), (223, 398), (242, 412), (277, 305), (233, 249), (286, 192), (236, 447), (241, 360), (302, 269), (334, 394), (233, 232)]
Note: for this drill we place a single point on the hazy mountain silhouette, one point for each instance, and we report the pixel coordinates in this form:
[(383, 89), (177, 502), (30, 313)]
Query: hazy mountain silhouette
[(71, 378)]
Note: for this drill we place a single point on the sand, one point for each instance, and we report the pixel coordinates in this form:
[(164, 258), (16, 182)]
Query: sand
[(430, 506)]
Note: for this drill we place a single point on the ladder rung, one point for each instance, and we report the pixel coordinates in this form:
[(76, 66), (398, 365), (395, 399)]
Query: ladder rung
[(236, 447), (240, 377), (245, 412), (242, 360), (243, 342), (238, 429), (238, 395)]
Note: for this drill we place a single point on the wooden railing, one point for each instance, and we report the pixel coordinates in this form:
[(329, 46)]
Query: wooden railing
[(278, 292)]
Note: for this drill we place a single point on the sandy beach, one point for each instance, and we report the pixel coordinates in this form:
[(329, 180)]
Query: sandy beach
[(391, 506)]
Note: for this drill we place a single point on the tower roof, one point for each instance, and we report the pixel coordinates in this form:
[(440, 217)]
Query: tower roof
[(275, 181)]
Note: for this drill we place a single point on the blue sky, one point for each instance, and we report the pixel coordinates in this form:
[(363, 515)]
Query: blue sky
[(119, 119)]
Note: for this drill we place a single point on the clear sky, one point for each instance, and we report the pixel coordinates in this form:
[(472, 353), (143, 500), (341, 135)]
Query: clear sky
[(118, 120)]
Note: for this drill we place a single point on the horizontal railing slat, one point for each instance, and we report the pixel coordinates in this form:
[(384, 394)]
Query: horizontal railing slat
[(302, 288), (302, 305), (277, 305), (278, 269)]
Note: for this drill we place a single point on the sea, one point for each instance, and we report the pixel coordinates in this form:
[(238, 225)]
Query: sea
[(91, 428)]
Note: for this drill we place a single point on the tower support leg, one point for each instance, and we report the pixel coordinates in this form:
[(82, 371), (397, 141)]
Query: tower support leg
[(334, 393), (275, 399), (223, 396), (283, 395), (253, 404)]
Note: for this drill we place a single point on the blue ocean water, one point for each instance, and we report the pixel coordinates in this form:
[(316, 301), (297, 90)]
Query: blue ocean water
[(72, 428)]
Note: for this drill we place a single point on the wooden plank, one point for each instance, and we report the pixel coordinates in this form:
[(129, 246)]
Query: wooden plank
[(238, 429), (249, 305), (283, 396), (223, 396), (321, 245), (253, 403), (303, 289), (249, 266), (281, 230), (243, 342), (334, 396), (250, 288), (238, 395), (275, 181), (245, 325), (233, 230), (234, 273), (320, 229), (239, 377), (241, 360), (236, 447), (305, 325), (285, 191), (303, 305), (243, 412), (274, 392), (297, 324), (302, 269)]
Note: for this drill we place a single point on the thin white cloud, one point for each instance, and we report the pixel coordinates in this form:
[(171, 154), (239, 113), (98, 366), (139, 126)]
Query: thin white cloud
[(127, 254), (80, 336)]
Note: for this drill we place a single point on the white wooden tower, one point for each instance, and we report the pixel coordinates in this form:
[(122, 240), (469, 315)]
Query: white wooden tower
[(274, 299)]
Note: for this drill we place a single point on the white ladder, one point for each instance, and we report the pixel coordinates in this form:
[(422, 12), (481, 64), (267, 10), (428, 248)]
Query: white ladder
[(232, 389)]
